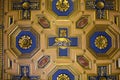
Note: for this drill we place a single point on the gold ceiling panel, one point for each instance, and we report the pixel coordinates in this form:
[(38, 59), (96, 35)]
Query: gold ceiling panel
[(60, 39)]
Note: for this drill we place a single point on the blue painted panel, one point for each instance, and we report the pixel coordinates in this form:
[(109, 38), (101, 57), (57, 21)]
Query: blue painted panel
[(51, 41), (92, 40), (59, 13), (22, 70), (63, 71), (33, 46), (63, 52), (74, 42)]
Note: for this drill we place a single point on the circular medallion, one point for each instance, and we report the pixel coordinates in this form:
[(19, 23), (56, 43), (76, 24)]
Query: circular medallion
[(62, 5), (63, 77), (26, 5), (100, 5), (25, 42), (101, 42)]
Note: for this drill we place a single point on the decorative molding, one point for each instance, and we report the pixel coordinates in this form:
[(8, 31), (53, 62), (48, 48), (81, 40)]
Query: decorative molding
[(1, 53), (43, 21), (100, 42), (82, 22), (109, 41), (62, 7), (102, 74), (118, 63), (101, 7), (83, 61), (24, 42), (71, 74), (43, 61), (63, 42), (25, 6), (25, 74)]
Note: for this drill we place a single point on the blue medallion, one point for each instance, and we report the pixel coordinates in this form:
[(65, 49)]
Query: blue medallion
[(100, 42), (63, 74), (25, 42), (62, 7)]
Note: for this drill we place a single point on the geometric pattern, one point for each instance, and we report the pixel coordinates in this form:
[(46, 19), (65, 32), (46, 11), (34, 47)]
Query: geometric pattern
[(102, 73), (25, 42), (100, 6), (63, 74), (62, 7), (103, 41), (100, 42), (82, 22), (63, 41), (43, 61), (43, 21), (83, 61), (26, 6), (25, 74)]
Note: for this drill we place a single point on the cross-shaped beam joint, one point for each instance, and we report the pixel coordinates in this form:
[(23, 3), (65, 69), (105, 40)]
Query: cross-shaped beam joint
[(100, 6), (63, 41), (24, 74), (26, 6), (102, 72)]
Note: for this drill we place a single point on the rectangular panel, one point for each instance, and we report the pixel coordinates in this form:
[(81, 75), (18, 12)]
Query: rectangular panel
[(0, 52), (10, 20), (118, 62), (9, 63), (116, 18), (1, 12), (119, 22)]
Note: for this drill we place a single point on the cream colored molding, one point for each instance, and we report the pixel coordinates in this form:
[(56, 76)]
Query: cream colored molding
[(118, 62)]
